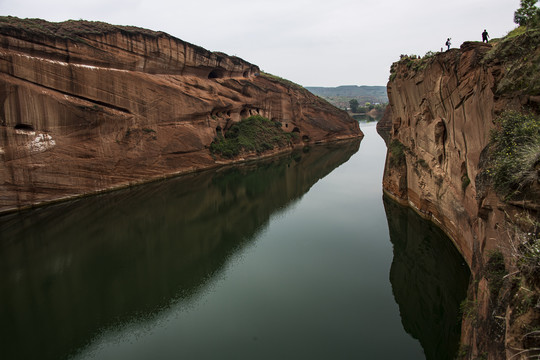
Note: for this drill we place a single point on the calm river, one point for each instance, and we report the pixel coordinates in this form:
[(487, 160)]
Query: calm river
[(298, 257)]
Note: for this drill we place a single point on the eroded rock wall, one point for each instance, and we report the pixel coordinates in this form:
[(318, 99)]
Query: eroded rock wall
[(441, 111), (443, 116), (88, 106)]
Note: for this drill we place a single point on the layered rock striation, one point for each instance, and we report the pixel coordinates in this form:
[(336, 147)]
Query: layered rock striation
[(88, 106), (441, 111)]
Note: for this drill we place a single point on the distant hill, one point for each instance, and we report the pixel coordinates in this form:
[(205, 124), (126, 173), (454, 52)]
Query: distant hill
[(372, 94)]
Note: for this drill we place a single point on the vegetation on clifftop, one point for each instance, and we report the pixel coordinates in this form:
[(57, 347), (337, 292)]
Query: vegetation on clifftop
[(528, 13), (253, 134), (519, 53), (70, 29), (413, 63), (282, 81)]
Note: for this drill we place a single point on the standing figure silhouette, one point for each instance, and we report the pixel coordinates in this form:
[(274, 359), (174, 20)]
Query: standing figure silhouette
[(485, 36)]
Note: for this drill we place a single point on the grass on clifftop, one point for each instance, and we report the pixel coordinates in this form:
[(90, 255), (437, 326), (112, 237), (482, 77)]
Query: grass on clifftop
[(519, 52), (254, 134), (70, 29), (414, 63), (285, 82)]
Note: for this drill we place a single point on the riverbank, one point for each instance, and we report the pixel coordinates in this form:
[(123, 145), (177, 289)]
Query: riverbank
[(218, 165)]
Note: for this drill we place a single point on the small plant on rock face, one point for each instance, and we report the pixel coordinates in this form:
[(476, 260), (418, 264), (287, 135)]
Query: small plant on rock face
[(393, 72), (494, 272), (397, 153), (515, 146), (423, 163), (464, 351), (527, 253), (253, 134), (469, 309), (465, 181), (524, 251)]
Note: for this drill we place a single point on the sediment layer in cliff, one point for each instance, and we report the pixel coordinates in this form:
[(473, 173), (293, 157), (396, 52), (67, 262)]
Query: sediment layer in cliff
[(442, 109), (88, 106)]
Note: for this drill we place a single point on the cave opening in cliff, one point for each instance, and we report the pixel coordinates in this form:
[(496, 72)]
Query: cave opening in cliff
[(216, 74), (296, 130), (25, 127)]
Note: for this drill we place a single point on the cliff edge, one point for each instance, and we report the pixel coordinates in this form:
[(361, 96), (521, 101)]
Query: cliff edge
[(443, 112), (89, 106)]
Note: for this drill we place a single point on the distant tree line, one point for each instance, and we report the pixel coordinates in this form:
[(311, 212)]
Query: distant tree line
[(355, 107)]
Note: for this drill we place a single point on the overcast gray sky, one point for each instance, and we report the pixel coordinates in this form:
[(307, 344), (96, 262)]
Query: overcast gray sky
[(313, 43)]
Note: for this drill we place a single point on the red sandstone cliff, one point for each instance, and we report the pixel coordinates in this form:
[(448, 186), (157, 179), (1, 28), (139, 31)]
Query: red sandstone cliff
[(438, 122), (88, 106)]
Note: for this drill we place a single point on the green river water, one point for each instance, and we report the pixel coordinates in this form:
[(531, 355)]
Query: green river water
[(297, 257)]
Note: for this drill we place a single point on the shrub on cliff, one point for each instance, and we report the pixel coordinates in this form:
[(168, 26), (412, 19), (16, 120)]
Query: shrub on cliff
[(397, 153), (519, 54), (413, 63), (253, 134), (515, 146), (528, 259), (528, 13), (494, 273)]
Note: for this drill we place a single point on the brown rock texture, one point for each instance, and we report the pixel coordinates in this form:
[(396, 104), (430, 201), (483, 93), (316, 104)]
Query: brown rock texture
[(88, 106), (438, 122)]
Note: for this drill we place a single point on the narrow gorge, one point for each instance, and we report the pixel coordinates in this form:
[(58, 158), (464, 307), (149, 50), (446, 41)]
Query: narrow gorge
[(443, 111), (88, 107)]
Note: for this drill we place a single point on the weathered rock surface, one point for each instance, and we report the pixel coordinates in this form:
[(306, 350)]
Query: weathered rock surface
[(87, 106), (440, 114)]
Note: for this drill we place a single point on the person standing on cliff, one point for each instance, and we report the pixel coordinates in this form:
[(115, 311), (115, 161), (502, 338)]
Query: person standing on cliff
[(485, 36), (448, 44)]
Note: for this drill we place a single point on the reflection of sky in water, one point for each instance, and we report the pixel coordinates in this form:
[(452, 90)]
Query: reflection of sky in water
[(283, 261), (313, 285)]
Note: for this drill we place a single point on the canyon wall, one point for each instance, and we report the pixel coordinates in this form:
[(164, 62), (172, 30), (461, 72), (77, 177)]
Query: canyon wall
[(441, 111), (88, 106)]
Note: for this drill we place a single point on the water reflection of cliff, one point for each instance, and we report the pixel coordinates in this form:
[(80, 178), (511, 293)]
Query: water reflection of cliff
[(429, 280), (69, 271)]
